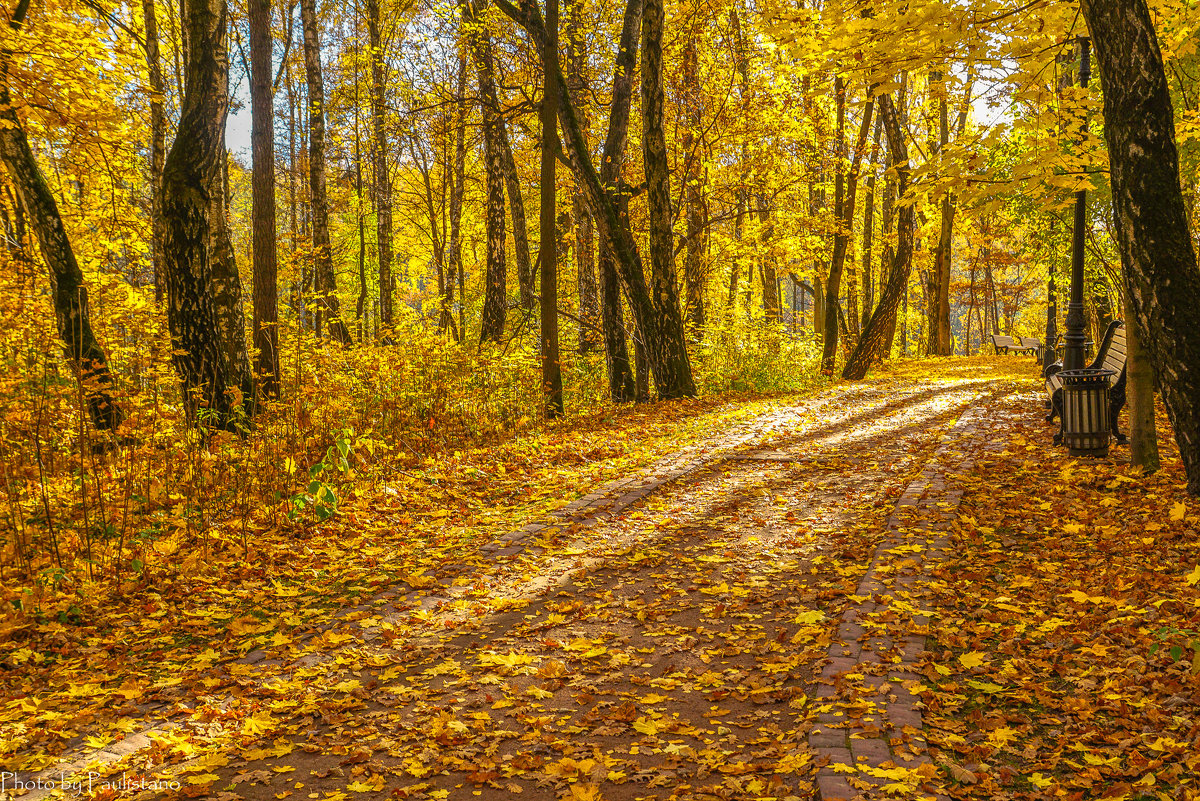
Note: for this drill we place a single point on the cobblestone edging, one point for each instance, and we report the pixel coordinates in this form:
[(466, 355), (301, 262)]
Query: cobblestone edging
[(603, 503), (869, 720)]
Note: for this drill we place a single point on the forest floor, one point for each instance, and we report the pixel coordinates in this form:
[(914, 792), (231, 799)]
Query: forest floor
[(893, 588)]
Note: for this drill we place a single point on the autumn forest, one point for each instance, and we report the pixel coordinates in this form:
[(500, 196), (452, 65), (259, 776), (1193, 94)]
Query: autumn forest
[(600, 399)]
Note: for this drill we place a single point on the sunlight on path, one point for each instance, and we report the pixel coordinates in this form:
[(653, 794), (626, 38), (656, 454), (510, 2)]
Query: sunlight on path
[(671, 648)]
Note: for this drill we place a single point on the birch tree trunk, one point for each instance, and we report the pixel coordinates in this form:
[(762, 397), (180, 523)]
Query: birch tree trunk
[(495, 302), (192, 187)]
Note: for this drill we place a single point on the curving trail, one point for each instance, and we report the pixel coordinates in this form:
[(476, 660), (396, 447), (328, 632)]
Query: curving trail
[(667, 641)]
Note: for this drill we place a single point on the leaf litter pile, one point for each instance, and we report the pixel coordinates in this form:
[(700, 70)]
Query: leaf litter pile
[(1065, 656)]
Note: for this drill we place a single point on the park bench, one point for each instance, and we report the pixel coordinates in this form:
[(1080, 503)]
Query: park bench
[(1111, 356), (1004, 344)]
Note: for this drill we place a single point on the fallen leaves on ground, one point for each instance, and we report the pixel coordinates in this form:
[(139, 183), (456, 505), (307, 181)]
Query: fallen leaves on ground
[(1065, 656)]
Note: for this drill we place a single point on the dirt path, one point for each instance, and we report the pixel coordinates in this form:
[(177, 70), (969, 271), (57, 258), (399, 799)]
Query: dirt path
[(668, 651)]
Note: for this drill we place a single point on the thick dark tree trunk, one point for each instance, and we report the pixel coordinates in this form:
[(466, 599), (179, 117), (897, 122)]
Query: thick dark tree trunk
[(1157, 251), (844, 213), (324, 279), (66, 279), (616, 349), (552, 393), (192, 188), (262, 143), (158, 142), (382, 183), (875, 334), (673, 373)]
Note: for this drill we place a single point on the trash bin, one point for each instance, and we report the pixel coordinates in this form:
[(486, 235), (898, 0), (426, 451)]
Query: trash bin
[(1086, 427)]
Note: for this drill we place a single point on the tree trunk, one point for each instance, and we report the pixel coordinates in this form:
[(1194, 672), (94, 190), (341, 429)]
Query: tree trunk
[(938, 285), (192, 185), (516, 209), (847, 189), (1157, 252), (158, 142), (693, 267), (66, 279), (621, 380), (868, 279), (382, 183), (656, 313), (768, 275), (262, 142), (673, 378), (585, 249), (226, 281), (875, 334), (548, 246), (616, 349), (324, 279), (495, 301), (458, 177), (1139, 389)]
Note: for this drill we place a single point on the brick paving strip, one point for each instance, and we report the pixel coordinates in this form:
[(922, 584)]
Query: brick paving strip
[(870, 722), (830, 740)]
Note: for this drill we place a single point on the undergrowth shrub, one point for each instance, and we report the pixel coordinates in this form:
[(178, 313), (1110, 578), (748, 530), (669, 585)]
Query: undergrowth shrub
[(86, 512)]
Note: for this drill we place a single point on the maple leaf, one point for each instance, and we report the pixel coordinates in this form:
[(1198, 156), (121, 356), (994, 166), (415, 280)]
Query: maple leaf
[(1193, 578), (1178, 511), (972, 659)]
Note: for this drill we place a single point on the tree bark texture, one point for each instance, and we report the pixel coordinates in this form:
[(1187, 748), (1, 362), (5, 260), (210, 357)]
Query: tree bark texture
[(516, 210), (322, 255), (694, 272), (847, 184), (158, 141), (585, 232), (1139, 391), (81, 348), (262, 144), (457, 177), (1157, 252), (673, 378), (192, 188), (382, 182), (552, 393), (868, 278), (495, 302), (875, 334)]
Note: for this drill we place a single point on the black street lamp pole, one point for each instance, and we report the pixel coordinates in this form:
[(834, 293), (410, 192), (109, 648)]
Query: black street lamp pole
[(1074, 337)]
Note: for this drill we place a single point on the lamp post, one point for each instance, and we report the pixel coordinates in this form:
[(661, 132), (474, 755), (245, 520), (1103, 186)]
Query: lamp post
[(1086, 424), (1074, 336)]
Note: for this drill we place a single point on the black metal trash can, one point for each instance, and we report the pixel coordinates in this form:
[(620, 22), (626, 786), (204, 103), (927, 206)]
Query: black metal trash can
[(1086, 427)]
